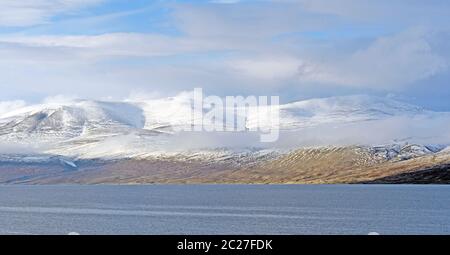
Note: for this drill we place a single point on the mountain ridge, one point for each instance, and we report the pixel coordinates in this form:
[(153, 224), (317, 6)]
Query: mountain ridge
[(64, 128), (85, 141)]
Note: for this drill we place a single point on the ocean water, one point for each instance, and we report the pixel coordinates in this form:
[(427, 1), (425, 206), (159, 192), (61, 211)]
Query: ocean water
[(225, 209)]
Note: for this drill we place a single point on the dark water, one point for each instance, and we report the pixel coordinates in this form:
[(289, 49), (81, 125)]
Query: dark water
[(225, 209)]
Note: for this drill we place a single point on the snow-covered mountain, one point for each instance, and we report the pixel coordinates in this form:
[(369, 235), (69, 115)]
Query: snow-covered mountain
[(344, 110), (98, 129)]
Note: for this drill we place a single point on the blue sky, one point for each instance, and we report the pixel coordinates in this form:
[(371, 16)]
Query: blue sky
[(296, 49)]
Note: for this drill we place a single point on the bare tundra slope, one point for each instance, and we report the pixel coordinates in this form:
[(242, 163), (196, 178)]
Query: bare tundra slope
[(303, 166)]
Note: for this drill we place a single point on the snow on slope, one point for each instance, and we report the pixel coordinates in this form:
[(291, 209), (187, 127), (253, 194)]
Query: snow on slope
[(96, 129), (59, 122), (344, 109), (166, 113)]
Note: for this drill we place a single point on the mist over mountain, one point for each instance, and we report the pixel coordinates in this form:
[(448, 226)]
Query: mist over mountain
[(96, 129)]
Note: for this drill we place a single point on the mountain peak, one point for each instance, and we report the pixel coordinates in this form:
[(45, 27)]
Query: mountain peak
[(355, 103), (79, 126)]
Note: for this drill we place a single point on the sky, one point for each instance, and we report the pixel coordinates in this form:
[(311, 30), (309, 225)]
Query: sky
[(298, 49)]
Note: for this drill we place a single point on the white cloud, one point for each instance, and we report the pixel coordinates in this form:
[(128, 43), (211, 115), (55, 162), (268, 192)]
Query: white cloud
[(113, 44), (400, 12), (244, 22), (90, 65), (8, 106), (421, 129), (389, 62), (269, 68), (15, 13), (246, 47), (60, 99)]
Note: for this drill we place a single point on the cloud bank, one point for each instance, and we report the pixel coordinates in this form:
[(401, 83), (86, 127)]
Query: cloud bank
[(34, 12), (227, 47)]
